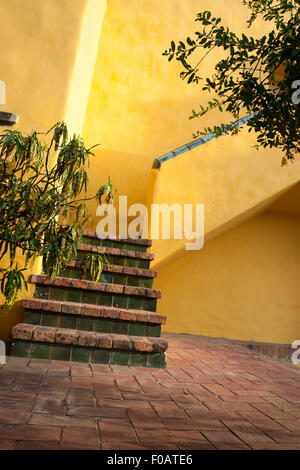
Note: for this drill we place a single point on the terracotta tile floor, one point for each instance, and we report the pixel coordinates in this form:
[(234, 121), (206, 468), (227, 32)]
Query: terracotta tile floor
[(211, 396)]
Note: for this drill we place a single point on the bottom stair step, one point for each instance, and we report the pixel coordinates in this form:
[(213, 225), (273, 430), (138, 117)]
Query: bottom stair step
[(45, 342)]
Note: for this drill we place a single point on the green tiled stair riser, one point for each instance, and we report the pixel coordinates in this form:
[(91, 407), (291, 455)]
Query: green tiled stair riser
[(113, 244), (100, 325), (121, 260), (90, 355), (108, 277), (95, 298)]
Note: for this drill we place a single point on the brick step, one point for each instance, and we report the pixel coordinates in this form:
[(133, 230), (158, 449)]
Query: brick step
[(85, 346), (75, 308), (114, 274), (118, 256), (92, 317), (97, 293), (135, 244)]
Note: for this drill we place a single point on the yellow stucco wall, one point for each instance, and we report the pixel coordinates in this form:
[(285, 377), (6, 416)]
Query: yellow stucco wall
[(84, 64), (38, 47), (242, 285), (47, 55), (228, 176), (138, 107)]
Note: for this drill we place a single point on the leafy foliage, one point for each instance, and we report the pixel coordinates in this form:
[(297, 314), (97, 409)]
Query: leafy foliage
[(41, 213), (255, 76), (95, 262)]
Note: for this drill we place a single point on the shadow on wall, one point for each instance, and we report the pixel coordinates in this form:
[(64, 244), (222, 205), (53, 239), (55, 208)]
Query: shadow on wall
[(243, 285), (127, 172)]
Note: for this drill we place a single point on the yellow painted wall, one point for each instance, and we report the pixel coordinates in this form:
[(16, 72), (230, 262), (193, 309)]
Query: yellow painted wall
[(38, 48), (48, 51), (228, 176), (138, 107), (243, 285), (84, 64)]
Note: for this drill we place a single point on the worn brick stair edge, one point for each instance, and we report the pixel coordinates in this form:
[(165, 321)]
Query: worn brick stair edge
[(138, 241), (64, 336), (68, 282), (117, 269), (116, 252), (90, 310)]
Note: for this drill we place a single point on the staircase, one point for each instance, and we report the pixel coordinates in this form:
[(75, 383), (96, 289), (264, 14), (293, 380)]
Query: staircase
[(113, 321)]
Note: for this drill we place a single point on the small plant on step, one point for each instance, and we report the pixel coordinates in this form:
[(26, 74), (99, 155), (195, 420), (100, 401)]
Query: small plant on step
[(95, 263), (43, 196)]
